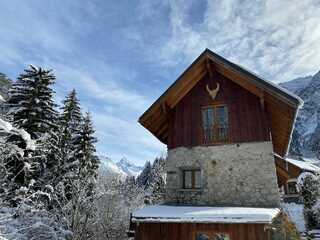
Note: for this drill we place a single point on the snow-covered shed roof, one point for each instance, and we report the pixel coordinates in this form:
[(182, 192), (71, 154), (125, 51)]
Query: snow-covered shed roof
[(201, 214), (304, 165)]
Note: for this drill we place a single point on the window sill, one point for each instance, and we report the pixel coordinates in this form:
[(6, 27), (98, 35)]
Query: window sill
[(190, 190)]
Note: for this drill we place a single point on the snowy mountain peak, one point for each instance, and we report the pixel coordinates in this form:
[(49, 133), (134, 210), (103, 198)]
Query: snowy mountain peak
[(122, 168), (306, 134), (129, 168), (110, 167)]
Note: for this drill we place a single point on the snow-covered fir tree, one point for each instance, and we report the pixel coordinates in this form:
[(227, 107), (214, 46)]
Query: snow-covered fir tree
[(69, 129), (309, 188), (16, 161), (144, 178), (70, 119), (31, 102), (152, 180), (157, 183), (85, 150)]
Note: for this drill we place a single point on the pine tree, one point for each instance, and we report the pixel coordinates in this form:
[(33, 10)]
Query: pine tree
[(309, 185), (85, 150), (32, 108), (71, 118), (157, 186), (70, 125), (31, 102), (144, 177)]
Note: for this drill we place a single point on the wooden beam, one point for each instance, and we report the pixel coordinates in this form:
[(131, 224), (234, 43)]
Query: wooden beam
[(165, 107), (186, 89), (209, 69), (262, 102), (282, 172)]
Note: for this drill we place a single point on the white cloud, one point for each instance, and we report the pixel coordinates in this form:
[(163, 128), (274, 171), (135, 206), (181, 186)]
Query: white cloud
[(278, 39)]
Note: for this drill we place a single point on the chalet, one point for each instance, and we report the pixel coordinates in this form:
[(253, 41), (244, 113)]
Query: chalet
[(222, 125)]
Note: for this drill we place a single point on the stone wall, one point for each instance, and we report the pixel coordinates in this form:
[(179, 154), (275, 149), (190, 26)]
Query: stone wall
[(231, 175)]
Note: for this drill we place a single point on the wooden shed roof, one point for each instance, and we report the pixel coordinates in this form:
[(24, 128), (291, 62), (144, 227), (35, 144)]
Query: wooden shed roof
[(281, 105)]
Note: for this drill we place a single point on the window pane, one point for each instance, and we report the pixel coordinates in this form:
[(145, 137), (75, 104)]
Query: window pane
[(292, 189), (207, 123), (187, 179), (221, 236), (197, 179), (207, 117), (222, 123), (202, 236), (222, 115)]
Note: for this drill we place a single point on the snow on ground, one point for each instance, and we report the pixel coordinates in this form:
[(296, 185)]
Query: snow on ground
[(295, 213), (34, 225), (166, 213)]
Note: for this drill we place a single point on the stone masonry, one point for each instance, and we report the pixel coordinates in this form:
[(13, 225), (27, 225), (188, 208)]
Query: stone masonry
[(241, 174)]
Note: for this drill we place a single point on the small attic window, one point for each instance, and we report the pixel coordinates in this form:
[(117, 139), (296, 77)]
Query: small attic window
[(215, 124)]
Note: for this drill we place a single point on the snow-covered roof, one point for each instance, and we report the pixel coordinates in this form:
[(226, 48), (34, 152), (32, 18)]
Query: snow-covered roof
[(201, 214), (304, 165)]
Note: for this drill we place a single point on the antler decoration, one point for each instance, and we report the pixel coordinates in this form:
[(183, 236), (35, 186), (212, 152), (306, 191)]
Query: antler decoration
[(213, 93)]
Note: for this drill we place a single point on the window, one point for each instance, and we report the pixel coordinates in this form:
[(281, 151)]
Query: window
[(212, 236), (292, 187), (192, 179), (215, 124)]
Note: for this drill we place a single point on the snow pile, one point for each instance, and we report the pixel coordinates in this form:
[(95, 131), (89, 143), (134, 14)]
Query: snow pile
[(165, 213), (8, 128), (32, 225), (5, 126), (295, 213)]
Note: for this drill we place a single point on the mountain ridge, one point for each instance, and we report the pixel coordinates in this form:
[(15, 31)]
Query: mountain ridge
[(306, 134), (122, 168)]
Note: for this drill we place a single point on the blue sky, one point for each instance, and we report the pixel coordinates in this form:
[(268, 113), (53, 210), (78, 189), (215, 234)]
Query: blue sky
[(121, 55)]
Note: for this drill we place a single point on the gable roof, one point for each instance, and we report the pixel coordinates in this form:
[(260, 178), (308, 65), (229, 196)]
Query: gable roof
[(281, 105)]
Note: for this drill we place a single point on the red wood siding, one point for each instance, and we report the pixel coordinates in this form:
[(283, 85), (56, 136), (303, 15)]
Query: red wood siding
[(186, 231), (247, 120)]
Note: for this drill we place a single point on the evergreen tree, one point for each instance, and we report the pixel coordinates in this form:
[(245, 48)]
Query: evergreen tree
[(70, 126), (308, 185), (157, 186), (70, 118), (31, 102), (32, 108), (85, 150), (144, 178)]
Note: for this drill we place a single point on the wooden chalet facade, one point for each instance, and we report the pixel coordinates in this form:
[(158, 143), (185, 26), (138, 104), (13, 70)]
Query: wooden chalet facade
[(222, 126)]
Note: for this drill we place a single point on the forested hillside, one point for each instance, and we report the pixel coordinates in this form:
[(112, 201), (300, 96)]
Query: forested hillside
[(52, 185)]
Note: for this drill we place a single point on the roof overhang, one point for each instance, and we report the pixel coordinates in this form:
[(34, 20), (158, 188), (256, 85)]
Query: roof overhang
[(282, 106)]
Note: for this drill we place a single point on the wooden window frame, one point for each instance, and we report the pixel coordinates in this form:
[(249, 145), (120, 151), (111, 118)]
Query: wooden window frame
[(292, 181), (193, 178), (215, 126)]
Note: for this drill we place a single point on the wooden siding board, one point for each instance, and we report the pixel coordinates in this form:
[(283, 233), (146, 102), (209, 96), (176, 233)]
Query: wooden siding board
[(245, 115), (187, 231)]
